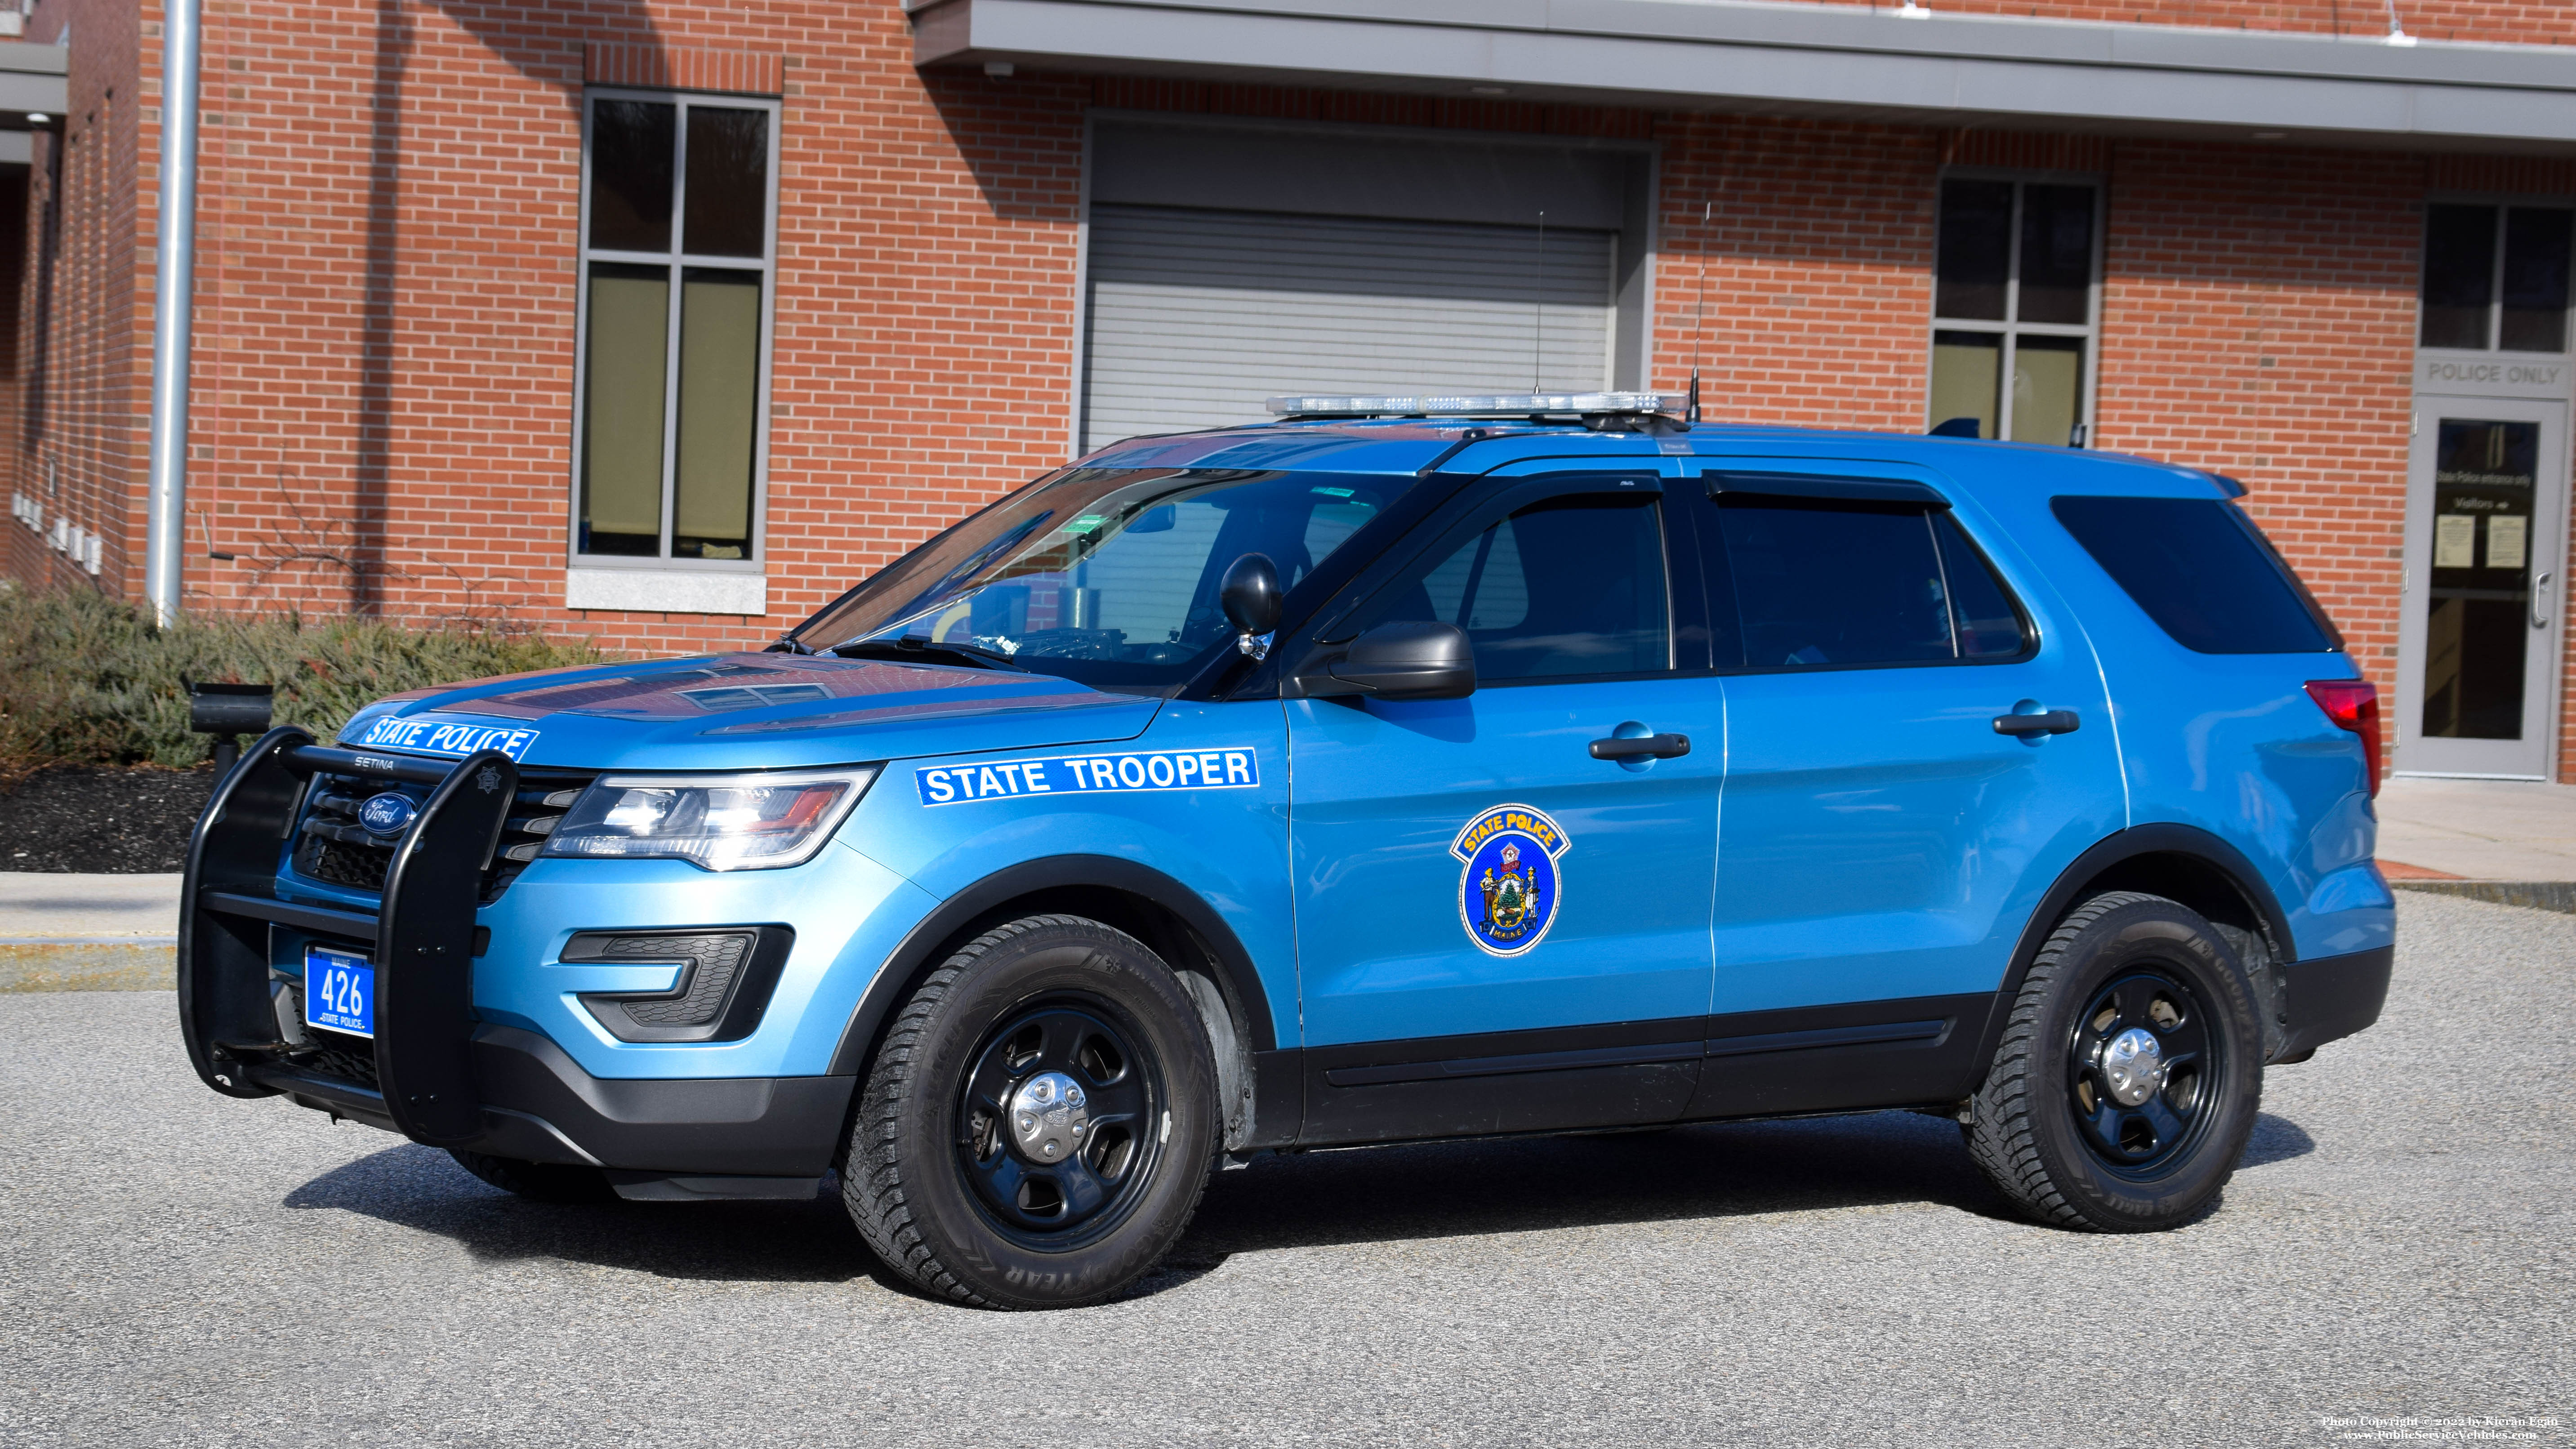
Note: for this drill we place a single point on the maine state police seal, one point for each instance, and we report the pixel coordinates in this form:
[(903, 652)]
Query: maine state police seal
[(1511, 889)]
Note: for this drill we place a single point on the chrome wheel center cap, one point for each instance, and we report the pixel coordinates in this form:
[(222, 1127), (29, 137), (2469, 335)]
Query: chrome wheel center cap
[(2133, 1066), (1049, 1117)]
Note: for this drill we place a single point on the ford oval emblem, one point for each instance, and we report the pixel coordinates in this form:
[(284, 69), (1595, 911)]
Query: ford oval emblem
[(387, 814)]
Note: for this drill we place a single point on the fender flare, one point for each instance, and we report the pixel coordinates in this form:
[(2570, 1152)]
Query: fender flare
[(917, 953), (2111, 850)]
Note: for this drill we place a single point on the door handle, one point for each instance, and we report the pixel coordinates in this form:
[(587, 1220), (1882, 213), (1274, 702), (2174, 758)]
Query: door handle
[(2055, 722), (2539, 586), (1658, 747)]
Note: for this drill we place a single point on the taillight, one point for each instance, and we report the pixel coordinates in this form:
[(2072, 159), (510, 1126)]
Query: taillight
[(2353, 704)]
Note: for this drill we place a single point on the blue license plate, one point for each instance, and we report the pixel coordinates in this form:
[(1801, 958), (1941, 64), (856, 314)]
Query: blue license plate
[(339, 991)]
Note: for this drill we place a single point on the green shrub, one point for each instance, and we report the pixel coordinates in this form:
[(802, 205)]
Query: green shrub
[(89, 679)]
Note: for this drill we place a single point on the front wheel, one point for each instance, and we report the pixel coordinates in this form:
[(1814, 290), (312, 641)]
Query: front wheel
[(2126, 1083), (1037, 1128)]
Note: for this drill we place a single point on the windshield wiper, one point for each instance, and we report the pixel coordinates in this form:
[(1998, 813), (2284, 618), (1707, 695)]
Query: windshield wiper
[(910, 647)]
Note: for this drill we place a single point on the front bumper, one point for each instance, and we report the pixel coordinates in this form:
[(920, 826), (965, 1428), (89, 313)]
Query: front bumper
[(435, 1073), (538, 1105)]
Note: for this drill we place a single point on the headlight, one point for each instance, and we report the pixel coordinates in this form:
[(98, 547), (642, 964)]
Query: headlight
[(720, 822)]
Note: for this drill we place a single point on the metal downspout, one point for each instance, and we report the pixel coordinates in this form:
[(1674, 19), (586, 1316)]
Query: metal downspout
[(175, 262)]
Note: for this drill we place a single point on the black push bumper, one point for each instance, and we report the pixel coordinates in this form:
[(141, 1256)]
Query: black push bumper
[(2332, 997), (437, 1075)]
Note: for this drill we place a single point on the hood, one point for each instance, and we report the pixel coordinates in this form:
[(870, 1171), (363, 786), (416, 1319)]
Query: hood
[(747, 712)]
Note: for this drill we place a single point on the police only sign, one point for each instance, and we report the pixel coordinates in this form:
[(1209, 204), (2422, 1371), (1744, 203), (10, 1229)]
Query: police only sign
[(1230, 769)]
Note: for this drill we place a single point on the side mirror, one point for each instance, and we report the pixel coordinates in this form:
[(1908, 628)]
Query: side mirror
[(1403, 660), (1252, 599)]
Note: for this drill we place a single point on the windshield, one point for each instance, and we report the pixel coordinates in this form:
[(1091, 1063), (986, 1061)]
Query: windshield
[(1107, 576)]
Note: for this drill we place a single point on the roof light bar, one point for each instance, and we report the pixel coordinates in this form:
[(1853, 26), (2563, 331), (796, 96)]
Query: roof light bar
[(1506, 404)]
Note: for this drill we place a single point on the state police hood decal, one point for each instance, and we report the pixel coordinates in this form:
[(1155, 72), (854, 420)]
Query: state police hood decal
[(749, 711)]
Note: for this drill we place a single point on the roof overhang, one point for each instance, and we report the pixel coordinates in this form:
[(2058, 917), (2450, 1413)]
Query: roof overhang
[(1841, 62), (32, 83)]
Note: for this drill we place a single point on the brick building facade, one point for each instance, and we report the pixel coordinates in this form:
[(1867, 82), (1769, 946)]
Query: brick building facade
[(396, 286)]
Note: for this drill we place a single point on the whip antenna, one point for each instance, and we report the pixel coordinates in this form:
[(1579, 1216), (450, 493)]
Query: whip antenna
[(1699, 327), (1538, 308)]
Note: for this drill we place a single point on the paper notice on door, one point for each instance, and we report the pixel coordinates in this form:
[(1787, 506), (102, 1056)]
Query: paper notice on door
[(2455, 541), (2508, 537)]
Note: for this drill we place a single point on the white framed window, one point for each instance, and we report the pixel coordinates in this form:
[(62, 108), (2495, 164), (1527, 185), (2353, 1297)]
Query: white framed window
[(671, 387), (2016, 306)]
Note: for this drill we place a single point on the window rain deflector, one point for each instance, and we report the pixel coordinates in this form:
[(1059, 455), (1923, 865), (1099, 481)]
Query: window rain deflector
[(1810, 485)]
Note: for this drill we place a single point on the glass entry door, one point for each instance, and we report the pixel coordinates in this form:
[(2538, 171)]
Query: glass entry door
[(2485, 500)]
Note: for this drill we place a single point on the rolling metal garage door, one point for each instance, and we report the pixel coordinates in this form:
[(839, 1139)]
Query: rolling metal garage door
[(1195, 316)]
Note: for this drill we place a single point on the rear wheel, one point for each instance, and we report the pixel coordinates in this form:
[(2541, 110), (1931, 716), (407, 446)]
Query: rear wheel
[(2126, 1083), (1039, 1124)]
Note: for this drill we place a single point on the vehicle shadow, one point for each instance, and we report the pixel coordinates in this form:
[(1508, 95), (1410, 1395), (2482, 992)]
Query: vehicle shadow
[(1315, 1199), (423, 1189), (1708, 1170), (1466, 1189), (2275, 1139)]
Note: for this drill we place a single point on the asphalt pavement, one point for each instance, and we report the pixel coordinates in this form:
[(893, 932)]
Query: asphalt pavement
[(177, 1268)]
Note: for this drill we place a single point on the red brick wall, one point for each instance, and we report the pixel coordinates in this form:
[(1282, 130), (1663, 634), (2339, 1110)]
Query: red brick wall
[(2258, 320), (387, 285), (1795, 266), (1367, 108), (84, 343)]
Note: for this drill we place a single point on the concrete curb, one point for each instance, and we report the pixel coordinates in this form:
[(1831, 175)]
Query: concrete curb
[(2543, 895), (88, 966)]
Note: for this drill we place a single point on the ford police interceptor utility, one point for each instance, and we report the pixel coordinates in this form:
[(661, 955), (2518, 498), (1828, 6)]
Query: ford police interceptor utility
[(1403, 769)]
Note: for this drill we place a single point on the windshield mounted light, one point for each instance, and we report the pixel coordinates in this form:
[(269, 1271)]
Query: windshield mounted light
[(1509, 404), (756, 821)]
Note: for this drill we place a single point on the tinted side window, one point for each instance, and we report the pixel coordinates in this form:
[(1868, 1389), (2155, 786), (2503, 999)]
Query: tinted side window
[(1567, 587), (1820, 583), (2200, 571), (1981, 610)]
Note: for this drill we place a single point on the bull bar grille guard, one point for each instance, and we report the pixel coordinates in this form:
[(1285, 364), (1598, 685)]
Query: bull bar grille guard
[(420, 938)]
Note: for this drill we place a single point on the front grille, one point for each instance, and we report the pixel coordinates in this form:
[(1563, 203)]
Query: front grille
[(332, 847), (544, 797)]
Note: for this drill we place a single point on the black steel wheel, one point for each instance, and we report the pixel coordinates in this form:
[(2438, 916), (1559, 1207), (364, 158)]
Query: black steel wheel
[(1039, 1122), (1059, 1125), (2138, 1071), (2126, 1083)]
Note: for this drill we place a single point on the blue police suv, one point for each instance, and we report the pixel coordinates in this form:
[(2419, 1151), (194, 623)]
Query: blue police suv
[(1406, 768)]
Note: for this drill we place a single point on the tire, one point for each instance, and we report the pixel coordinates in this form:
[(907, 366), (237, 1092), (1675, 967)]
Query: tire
[(1039, 1123), (2080, 1134), (537, 1181)]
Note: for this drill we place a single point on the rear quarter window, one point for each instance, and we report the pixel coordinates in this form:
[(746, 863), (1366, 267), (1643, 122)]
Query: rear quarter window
[(2202, 572)]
